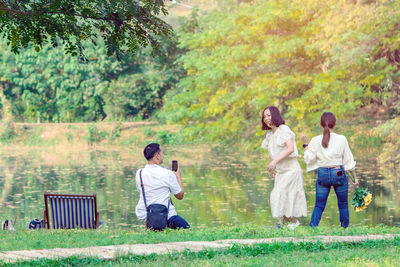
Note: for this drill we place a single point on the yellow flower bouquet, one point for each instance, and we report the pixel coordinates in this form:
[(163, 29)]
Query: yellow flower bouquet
[(361, 198)]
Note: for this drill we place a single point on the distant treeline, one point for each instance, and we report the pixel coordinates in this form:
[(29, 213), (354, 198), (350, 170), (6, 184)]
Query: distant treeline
[(50, 86)]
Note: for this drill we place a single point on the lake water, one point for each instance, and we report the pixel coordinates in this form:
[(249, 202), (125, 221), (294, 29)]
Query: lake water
[(221, 188)]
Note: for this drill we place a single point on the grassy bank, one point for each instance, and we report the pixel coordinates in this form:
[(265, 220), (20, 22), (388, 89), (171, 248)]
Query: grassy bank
[(46, 239), (369, 253), (361, 132), (85, 134)]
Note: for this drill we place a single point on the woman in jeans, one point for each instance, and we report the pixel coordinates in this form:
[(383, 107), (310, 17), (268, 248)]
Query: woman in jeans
[(331, 156)]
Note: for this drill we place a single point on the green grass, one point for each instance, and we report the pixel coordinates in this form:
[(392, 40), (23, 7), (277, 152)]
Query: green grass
[(382, 253), (46, 239)]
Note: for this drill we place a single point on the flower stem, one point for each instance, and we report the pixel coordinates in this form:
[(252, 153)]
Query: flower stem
[(351, 176)]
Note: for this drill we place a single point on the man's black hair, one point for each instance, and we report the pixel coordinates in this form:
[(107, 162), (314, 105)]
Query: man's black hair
[(150, 150)]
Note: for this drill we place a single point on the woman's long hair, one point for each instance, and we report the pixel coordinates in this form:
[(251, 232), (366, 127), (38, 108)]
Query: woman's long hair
[(328, 121), (276, 118)]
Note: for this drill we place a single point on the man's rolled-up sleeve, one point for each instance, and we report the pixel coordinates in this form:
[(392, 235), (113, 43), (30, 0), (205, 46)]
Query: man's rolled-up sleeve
[(174, 185)]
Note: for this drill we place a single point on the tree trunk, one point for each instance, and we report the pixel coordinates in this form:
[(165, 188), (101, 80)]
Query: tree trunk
[(6, 108)]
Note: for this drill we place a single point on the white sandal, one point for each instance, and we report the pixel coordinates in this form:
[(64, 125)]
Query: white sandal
[(293, 226)]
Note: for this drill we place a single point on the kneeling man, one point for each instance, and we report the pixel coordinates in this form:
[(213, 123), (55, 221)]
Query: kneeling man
[(158, 183)]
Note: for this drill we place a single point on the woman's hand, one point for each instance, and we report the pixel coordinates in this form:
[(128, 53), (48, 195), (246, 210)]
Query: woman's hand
[(356, 184), (304, 139), (271, 168)]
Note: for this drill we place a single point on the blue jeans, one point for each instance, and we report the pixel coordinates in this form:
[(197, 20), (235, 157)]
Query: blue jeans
[(176, 222), (328, 177)]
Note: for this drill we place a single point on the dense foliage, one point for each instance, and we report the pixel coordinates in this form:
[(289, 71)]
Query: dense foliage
[(51, 86), (124, 26), (303, 56), (390, 152)]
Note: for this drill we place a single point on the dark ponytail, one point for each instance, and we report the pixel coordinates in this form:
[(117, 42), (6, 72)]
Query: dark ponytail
[(328, 121), (327, 136)]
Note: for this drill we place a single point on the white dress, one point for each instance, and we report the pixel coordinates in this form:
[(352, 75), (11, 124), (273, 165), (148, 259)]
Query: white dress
[(287, 198)]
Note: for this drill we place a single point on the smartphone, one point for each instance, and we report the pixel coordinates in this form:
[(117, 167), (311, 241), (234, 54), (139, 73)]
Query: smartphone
[(174, 165)]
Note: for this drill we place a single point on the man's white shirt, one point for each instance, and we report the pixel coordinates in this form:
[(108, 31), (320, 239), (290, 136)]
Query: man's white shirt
[(158, 183)]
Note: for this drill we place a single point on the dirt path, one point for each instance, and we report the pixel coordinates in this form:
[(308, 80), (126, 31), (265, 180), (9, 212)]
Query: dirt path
[(107, 252)]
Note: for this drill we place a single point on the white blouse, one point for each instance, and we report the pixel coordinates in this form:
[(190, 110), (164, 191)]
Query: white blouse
[(337, 153), (276, 142)]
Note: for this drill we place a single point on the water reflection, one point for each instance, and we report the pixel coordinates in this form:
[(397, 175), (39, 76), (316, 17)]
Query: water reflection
[(220, 187)]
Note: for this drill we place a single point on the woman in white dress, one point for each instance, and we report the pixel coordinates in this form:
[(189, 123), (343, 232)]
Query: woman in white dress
[(287, 199)]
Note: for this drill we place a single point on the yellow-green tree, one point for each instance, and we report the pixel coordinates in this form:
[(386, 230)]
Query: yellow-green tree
[(303, 56)]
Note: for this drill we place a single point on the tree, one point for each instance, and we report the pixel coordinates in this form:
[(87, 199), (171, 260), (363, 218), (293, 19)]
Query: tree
[(139, 90), (52, 86), (124, 25), (305, 57)]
